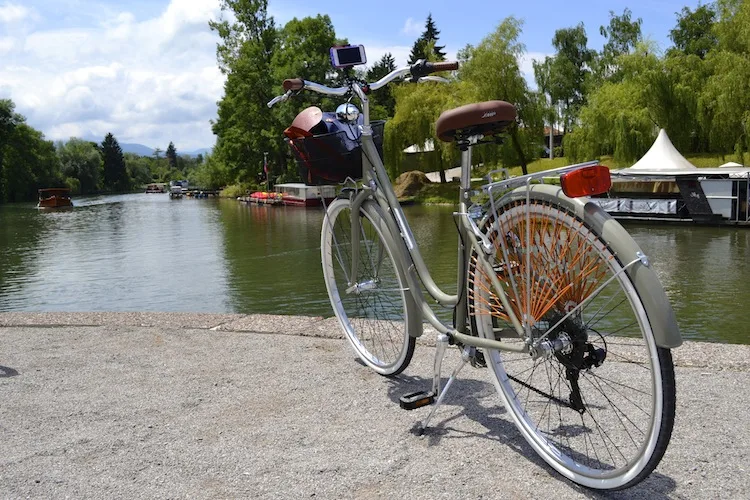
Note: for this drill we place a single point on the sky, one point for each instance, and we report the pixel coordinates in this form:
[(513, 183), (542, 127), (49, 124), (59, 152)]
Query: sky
[(145, 70)]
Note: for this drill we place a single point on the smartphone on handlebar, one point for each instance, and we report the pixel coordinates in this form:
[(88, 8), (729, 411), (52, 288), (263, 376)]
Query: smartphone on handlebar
[(348, 56)]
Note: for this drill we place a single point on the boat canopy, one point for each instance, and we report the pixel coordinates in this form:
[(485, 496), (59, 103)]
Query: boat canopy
[(53, 191), (661, 158)]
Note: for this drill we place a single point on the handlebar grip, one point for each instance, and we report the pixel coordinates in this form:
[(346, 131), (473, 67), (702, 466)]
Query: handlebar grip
[(293, 84), (445, 66)]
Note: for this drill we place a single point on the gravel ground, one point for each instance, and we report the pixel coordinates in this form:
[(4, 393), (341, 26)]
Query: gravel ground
[(126, 405)]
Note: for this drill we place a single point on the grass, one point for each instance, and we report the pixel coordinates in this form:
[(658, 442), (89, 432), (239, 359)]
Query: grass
[(438, 194)]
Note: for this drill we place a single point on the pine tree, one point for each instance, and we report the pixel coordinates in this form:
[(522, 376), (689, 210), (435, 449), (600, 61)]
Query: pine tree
[(419, 50), (385, 65), (432, 33), (172, 156), (115, 175), (383, 97)]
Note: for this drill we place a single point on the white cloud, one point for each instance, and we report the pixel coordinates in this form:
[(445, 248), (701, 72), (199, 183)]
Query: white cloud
[(12, 13), (150, 81), (6, 44), (412, 27)]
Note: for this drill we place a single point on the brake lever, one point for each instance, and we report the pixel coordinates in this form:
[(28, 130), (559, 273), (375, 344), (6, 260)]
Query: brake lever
[(280, 98), (433, 78)]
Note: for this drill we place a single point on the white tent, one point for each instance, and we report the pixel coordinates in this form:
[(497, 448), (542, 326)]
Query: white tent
[(662, 158), (731, 164)]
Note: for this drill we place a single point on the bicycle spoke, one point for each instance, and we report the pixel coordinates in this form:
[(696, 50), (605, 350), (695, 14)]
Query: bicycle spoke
[(588, 404)]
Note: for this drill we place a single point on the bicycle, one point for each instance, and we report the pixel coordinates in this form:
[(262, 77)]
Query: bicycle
[(554, 298)]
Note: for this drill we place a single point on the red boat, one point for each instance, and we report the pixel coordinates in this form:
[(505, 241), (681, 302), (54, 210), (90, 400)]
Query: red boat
[(54, 198), (265, 198)]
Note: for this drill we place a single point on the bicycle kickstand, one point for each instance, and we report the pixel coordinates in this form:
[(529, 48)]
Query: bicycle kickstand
[(419, 399)]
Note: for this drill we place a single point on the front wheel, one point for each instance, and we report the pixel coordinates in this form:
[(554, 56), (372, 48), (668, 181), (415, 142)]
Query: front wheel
[(375, 307), (596, 395)]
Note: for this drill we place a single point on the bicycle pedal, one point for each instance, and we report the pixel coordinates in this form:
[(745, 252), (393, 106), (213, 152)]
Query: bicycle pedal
[(478, 361), (417, 400)]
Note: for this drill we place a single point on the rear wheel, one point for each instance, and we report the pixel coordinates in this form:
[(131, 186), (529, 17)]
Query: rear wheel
[(596, 397), (374, 307)]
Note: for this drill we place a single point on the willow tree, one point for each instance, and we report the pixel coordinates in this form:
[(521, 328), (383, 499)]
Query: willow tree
[(492, 72), (725, 100), (418, 107)]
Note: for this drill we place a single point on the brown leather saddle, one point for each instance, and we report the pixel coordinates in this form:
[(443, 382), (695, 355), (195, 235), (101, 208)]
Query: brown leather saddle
[(480, 118)]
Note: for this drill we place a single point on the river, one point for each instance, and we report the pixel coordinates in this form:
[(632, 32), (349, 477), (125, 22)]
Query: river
[(145, 252)]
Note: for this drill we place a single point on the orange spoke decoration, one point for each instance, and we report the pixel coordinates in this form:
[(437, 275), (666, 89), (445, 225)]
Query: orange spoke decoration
[(549, 264)]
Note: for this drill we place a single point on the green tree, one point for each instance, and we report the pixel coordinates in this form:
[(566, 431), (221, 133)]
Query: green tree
[(420, 50), (171, 156), (418, 107), (564, 77), (725, 99), (694, 33), (622, 35), (9, 119), (302, 49), (492, 72), (30, 163), (211, 174), (245, 127), (139, 169), (81, 160), (382, 102), (115, 174)]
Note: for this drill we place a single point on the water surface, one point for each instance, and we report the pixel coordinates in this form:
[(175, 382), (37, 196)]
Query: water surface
[(145, 252)]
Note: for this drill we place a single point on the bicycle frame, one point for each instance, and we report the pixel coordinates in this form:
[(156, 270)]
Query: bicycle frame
[(377, 185)]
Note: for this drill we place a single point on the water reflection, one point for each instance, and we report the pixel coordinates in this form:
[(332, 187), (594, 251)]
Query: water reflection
[(118, 253), (705, 273), (149, 253), (273, 254)]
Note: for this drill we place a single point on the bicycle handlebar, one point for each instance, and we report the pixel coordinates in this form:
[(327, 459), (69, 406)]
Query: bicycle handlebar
[(418, 72)]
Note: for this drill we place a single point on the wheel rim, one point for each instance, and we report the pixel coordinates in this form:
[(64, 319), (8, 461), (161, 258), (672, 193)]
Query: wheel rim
[(612, 440), (370, 308)]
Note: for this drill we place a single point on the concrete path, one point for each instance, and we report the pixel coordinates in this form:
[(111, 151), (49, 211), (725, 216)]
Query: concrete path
[(231, 406)]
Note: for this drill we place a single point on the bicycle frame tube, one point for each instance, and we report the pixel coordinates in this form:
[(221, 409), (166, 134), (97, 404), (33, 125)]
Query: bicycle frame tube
[(378, 185)]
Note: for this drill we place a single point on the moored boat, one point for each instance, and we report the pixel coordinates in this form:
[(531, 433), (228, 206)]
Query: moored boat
[(54, 198), (155, 188), (663, 186), (302, 195), (265, 198)]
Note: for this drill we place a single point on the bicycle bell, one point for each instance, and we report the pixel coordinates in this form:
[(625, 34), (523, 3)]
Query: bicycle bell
[(347, 112)]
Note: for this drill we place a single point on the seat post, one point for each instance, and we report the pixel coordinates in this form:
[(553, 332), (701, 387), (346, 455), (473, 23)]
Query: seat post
[(465, 170)]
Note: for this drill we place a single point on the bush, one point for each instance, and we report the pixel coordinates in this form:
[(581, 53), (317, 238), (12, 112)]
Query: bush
[(234, 191)]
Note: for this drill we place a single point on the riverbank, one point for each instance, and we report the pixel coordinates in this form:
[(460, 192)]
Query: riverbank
[(120, 405)]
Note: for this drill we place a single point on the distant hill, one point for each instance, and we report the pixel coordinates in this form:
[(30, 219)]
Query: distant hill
[(138, 149), (142, 150), (201, 151)]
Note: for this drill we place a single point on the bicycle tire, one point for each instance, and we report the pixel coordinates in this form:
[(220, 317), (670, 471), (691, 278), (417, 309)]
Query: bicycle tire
[(604, 427), (376, 309)]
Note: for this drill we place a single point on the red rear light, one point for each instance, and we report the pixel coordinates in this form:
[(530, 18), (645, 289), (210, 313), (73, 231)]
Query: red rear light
[(586, 181)]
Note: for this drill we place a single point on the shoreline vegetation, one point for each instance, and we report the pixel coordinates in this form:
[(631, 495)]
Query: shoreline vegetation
[(608, 103), (414, 187)]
